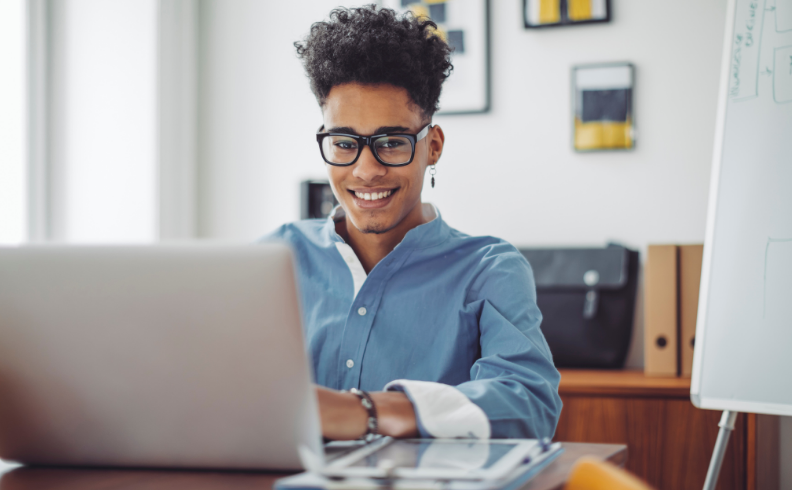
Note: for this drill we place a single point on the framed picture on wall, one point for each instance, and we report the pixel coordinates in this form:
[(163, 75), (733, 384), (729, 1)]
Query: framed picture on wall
[(316, 199), (464, 24), (553, 13), (602, 96)]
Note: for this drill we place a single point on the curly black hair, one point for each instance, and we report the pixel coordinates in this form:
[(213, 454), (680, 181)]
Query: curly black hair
[(368, 45)]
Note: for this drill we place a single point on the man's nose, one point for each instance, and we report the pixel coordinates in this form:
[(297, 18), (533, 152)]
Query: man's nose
[(367, 168)]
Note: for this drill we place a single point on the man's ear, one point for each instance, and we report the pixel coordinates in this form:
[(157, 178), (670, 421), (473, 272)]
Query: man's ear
[(436, 139)]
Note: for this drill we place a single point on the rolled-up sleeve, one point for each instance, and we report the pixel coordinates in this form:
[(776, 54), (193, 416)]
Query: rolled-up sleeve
[(442, 410)]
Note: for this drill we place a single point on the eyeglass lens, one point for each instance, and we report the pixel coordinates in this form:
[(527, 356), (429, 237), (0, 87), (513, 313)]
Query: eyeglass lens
[(390, 149)]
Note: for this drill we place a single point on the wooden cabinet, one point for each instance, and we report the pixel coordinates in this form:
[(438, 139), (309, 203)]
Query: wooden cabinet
[(669, 441)]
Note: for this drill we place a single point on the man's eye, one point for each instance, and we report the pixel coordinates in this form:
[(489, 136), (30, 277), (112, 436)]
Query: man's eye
[(346, 145), (390, 145)]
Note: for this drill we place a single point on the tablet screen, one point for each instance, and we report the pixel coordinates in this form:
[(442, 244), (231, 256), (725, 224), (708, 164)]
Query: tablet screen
[(425, 454)]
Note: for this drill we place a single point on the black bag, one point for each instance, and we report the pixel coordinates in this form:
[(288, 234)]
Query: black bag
[(587, 300)]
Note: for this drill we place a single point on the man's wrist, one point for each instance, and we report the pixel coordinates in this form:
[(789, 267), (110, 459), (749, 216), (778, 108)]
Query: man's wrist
[(356, 415), (395, 413), (342, 416), (371, 412)]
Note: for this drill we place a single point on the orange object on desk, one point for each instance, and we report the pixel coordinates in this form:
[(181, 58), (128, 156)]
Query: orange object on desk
[(590, 474)]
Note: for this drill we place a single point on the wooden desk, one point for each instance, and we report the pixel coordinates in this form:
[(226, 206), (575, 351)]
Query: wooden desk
[(551, 478), (670, 441)]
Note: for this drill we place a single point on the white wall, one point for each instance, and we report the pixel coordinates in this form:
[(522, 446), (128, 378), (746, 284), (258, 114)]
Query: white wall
[(516, 176), (257, 116), (102, 124), (12, 122), (510, 172)]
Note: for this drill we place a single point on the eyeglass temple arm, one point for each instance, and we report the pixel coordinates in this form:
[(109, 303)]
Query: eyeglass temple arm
[(422, 134)]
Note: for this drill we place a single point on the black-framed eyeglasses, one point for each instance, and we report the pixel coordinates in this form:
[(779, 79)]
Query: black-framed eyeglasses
[(390, 149)]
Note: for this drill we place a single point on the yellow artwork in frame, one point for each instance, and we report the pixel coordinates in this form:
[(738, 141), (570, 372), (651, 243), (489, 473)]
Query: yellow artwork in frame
[(551, 13), (602, 107)]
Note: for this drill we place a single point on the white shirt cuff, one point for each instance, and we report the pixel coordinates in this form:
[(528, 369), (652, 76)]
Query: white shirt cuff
[(442, 410)]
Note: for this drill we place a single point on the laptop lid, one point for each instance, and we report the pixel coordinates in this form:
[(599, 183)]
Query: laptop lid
[(155, 356)]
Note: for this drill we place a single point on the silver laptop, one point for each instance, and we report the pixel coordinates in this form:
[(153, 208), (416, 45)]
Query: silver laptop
[(159, 356)]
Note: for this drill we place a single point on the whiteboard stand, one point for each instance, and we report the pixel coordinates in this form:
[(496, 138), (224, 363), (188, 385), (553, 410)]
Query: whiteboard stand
[(726, 427)]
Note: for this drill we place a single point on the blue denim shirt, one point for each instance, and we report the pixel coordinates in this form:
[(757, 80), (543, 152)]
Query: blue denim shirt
[(442, 307)]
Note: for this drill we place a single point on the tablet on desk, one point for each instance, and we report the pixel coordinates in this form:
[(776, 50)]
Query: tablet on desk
[(453, 459)]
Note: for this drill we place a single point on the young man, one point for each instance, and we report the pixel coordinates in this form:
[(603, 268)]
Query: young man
[(442, 327)]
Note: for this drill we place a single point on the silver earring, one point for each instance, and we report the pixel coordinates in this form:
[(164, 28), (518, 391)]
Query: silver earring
[(432, 172)]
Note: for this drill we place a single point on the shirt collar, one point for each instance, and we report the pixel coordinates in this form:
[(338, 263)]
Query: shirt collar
[(422, 236)]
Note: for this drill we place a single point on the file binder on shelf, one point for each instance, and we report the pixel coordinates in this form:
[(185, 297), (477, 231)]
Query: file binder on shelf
[(690, 260), (673, 275), (661, 342)]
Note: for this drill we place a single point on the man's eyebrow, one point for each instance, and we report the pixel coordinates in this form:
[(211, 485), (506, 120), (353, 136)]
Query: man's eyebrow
[(380, 130), (391, 129), (341, 129)]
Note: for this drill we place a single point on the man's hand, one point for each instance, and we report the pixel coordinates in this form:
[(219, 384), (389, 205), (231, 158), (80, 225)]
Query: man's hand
[(343, 416)]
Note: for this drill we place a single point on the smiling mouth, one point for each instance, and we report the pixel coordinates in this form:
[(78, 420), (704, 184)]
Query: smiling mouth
[(372, 200), (373, 196)]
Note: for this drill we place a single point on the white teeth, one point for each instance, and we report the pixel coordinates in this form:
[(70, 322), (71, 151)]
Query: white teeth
[(373, 196)]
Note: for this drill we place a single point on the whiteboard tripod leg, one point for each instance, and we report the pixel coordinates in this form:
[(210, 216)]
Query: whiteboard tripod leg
[(726, 427)]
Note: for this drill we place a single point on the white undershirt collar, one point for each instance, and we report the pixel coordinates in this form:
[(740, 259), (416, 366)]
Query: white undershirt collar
[(348, 255)]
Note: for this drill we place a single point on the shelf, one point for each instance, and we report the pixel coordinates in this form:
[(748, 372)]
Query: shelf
[(621, 383)]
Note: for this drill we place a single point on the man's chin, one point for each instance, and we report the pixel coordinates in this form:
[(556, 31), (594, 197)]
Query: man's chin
[(374, 231), (375, 227)]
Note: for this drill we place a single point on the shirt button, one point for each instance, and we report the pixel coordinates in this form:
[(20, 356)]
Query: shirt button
[(362, 310), (350, 363)]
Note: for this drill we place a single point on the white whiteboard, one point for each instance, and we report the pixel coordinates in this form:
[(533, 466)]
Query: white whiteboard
[(743, 351)]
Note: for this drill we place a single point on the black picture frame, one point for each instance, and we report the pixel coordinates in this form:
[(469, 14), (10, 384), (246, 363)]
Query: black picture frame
[(577, 108), (453, 103), (565, 21)]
